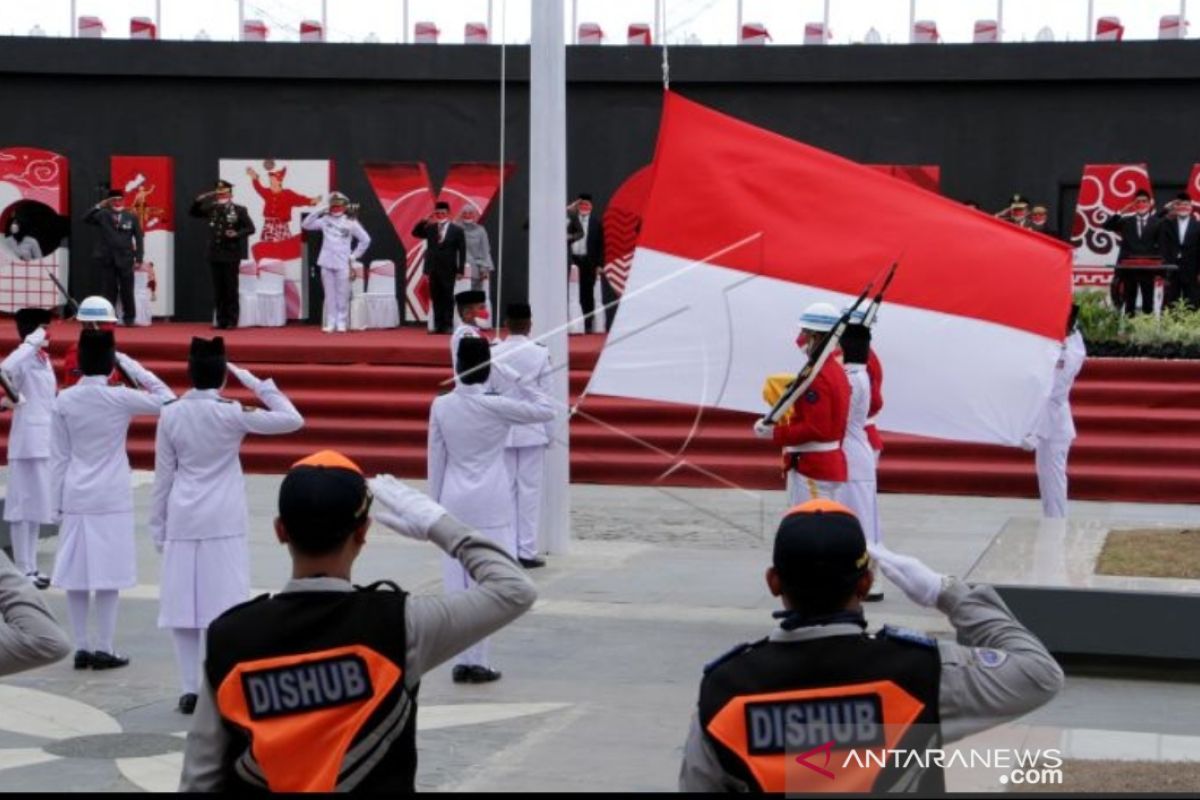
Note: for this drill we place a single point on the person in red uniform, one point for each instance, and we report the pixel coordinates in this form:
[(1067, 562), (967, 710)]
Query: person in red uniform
[(278, 202), (812, 438)]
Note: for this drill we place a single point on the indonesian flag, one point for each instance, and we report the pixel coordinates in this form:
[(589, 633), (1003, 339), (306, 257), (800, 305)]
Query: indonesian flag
[(744, 228)]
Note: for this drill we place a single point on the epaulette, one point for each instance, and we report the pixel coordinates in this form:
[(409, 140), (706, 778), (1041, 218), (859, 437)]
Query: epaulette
[(239, 606), (907, 635), (744, 647)]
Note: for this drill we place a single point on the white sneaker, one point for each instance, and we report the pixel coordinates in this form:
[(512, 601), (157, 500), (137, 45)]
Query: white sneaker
[(341, 328), (326, 329)]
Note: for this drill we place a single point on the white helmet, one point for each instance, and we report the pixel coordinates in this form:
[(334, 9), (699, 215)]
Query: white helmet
[(819, 317), (96, 309)]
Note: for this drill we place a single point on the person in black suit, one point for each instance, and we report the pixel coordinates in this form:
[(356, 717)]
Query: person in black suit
[(445, 261), (1180, 242), (118, 250), (587, 253), (1139, 232), (229, 228)]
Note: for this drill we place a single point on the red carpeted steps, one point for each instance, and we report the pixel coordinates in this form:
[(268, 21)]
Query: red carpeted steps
[(369, 394)]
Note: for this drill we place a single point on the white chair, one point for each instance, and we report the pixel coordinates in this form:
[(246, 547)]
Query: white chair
[(271, 306), (382, 307), (142, 312), (358, 306), (247, 294)]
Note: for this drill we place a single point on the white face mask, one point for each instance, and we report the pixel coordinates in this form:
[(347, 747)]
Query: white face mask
[(14, 229)]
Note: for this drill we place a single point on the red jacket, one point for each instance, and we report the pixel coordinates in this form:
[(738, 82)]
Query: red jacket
[(875, 373), (819, 417), (71, 373)]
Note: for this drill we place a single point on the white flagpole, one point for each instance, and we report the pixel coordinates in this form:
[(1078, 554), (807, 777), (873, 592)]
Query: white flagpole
[(74, 21), (241, 31), (825, 22), (574, 21), (158, 31), (491, 35), (407, 32), (658, 31), (548, 248), (1091, 23), (1182, 19), (741, 18), (999, 20), (325, 20), (912, 21)]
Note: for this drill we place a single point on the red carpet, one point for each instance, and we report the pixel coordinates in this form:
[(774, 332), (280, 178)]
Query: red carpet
[(368, 394)]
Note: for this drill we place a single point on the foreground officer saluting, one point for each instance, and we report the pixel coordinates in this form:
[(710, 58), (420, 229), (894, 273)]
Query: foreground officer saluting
[(315, 688), (785, 713)]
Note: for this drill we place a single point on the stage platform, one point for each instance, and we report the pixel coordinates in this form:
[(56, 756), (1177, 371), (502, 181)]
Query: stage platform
[(369, 392)]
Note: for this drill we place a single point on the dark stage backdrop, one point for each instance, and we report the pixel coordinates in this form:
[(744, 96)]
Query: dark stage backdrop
[(996, 118)]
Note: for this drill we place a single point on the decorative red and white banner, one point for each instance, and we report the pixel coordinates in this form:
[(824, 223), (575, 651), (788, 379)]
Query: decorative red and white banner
[(1104, 191), (277, 193), (407, 195), (744, 228), (34, 226), (149, 186)]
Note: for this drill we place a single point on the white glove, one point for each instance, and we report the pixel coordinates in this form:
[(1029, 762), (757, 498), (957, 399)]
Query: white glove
[(245, 377), (1029, 443), (37, 338), (764, 429), (402, 508), (6, 404), (918, 582)]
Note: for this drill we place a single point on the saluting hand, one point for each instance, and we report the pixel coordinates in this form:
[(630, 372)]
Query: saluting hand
[(402, 508), (245, 377), (918, 582)]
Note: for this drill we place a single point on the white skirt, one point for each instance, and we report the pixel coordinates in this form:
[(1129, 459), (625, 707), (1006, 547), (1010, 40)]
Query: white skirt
[(95, 552), (28, 496), (202, 579)]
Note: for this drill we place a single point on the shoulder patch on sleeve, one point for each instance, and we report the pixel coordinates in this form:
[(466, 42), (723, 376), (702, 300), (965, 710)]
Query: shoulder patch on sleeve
[(990, 658), (738, 650), (908, 635), (811, 396)]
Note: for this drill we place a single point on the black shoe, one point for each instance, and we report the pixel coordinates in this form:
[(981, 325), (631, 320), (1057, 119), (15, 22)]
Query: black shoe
[(83, 659), (38, 580), (102, 660), (187, 703), (532, 563), (481, 674), (461, 674), (874, 597)]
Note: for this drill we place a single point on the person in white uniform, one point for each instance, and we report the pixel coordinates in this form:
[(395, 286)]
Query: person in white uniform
[(1055, 428), (525, 452), (343, 240), (91, 491), (469, 304), (27, 505), (198, 516), (858, 493), (468, 429)]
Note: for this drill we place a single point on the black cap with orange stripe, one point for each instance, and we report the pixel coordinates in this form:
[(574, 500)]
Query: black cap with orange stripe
[(820, 540), (322, 500)]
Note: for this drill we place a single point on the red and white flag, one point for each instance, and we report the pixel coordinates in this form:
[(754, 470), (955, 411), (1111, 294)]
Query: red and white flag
[(744, 228)]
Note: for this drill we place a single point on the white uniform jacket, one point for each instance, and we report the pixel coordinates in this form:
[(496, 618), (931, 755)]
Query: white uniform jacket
[(337, 233), (531, 361), (468, 429), (1055, 422), (88, 462), (199, 491), (860, 458), (462, 330), (32, 376)]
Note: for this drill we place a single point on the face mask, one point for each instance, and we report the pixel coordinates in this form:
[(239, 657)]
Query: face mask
[(224, 200), (338, 211), (118, 207), (14, 229)]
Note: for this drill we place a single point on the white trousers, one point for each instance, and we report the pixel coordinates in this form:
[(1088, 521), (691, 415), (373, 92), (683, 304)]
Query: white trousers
[(188, 657), (456, 579), (801, 489), (525, 466), (336, 283), (78, 606), (24, 536), (1052, 476), (861, 497)]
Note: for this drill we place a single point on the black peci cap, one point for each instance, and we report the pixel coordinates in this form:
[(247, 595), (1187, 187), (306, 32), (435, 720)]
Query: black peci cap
[(30, 319), (470, 297), (519, 312)]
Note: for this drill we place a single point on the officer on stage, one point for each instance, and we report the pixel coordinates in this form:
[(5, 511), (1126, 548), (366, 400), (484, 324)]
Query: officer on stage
[(525, 452), (229, 228), (1139, 232), (315, 688), (343, 242), (814, 461), (783, 713), (118, 250)]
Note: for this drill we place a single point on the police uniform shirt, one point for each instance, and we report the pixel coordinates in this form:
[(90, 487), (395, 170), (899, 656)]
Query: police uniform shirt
[(436, 628), (997, 670)]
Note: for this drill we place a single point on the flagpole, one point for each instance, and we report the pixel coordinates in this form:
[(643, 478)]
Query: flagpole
[(241, 31), (74, 21), (547, 247), (404, 38), (1182, 19), (912, 21), (825, 23), (658, 32), (999, 20), (1091, 35), (740, 22), (324, 20), (574, 21), (158, 31)]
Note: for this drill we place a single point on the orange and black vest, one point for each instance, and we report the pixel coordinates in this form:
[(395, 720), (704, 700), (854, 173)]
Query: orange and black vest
[(833, 714), (310, 686)]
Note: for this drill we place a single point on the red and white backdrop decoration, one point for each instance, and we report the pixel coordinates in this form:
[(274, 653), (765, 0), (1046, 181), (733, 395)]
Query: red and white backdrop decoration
[(1103, 192), (277, 199), (407, 196), (149, 186), (34, 192)]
